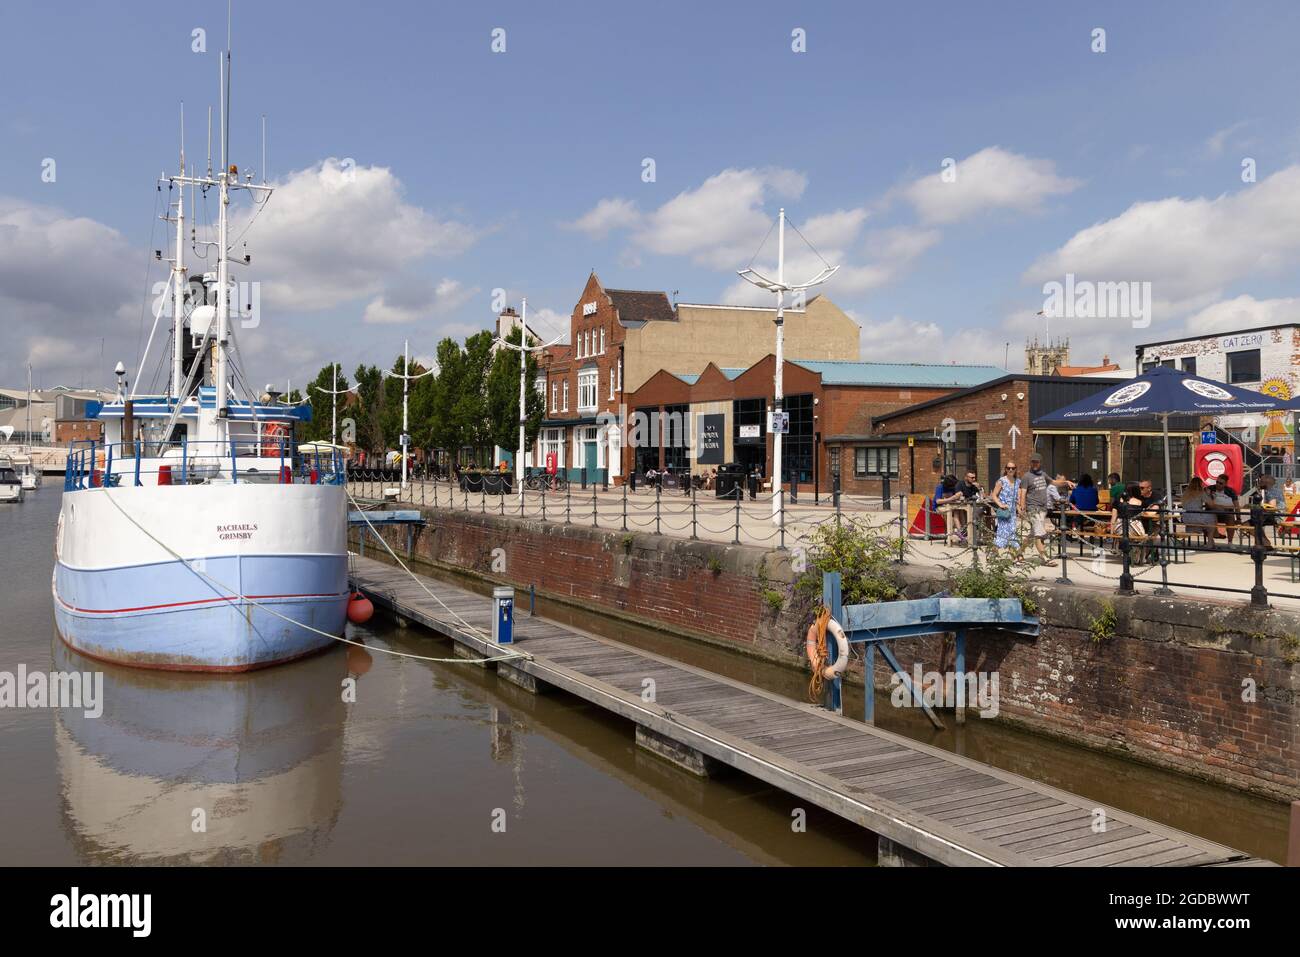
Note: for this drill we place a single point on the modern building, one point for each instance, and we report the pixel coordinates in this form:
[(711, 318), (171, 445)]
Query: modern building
[(686, 422), (49, 409), (984, 427), (620, 338), (1266, 359)]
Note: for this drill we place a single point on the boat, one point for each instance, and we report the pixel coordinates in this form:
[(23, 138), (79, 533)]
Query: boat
[(28, 474), (194, 537), (11, 486)]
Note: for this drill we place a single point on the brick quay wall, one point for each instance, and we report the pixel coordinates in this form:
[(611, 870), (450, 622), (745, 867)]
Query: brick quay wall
[(1207, 689)]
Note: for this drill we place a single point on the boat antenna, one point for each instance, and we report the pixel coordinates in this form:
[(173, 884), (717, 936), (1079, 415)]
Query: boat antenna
[(209, 142), (263, 147)]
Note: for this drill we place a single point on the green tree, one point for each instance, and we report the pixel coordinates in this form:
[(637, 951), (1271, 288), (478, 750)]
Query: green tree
[(369, 409)]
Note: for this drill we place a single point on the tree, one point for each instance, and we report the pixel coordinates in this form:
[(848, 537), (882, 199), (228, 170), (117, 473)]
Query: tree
[(369, 409)]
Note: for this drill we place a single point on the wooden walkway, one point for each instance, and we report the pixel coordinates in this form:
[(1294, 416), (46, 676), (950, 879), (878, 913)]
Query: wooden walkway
[(943, 807)]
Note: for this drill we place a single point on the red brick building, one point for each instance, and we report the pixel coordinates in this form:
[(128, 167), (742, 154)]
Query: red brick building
[(688, 423)]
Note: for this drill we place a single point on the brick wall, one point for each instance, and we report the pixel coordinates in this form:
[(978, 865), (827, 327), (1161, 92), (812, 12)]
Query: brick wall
[(1166, 688)]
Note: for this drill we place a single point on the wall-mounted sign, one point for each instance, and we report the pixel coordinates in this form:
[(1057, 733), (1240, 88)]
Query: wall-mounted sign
[(709, 449), (750, 431), (1252, 340), (994, 416), (778, 422), (588, 308)]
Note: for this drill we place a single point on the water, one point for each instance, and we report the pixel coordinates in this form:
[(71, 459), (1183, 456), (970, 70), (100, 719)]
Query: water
[(282, 770), (279, 769)]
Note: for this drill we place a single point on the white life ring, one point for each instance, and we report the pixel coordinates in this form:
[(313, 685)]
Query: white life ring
[(841, 648)]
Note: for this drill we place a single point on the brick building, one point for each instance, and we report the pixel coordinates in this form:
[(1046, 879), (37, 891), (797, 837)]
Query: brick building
[(687, 422), (620, 338), (984, 427)]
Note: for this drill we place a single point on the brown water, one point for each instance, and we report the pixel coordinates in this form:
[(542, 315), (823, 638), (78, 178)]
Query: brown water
[(279, 769)]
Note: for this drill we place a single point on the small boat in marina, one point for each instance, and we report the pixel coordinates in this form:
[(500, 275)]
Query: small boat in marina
[(28, 474), (11, 486), (195, 537)]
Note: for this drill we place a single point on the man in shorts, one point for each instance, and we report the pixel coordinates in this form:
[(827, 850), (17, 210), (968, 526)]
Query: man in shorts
[(1033, 505)]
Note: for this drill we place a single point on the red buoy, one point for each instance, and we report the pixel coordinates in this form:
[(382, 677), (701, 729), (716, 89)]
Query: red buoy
[(360, 610), (164, 475)]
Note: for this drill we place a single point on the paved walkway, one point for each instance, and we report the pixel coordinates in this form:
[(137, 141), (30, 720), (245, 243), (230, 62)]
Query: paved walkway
[(709, 518)]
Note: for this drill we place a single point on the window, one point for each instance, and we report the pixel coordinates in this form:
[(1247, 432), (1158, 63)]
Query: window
[(1243, 366), (1189, 365), (553, 441), (555, 397), (674, 424), (611, 383), (620, 374), (587, 380), (602, 340), (797, 445), (875, 462), (565, 406)]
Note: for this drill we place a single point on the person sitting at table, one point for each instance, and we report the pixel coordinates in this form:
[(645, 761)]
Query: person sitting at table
[(1127, 510), (1084, 497), (1115, 485), (1197, 514), (1223, 502), (946, 496)]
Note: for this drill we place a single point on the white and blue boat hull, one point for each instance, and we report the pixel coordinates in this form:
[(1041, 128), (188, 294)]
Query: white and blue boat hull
[(201, 578)]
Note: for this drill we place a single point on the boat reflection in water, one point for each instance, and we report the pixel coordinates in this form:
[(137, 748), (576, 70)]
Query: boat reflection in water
[(260, 755)]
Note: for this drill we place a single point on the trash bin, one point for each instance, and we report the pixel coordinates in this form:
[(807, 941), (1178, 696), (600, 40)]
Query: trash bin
[(730, 482)]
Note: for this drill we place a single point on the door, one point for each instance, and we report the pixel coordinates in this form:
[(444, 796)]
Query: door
[(589, 462), (995, 468)]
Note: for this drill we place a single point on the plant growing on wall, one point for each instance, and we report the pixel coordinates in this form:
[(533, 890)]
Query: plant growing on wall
[(996, 576), (864, 557)]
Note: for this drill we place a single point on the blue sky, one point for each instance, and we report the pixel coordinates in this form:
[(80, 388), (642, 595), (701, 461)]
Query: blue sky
[(475, 170)]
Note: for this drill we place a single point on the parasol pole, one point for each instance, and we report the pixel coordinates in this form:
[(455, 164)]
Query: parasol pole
[(1166, 524)]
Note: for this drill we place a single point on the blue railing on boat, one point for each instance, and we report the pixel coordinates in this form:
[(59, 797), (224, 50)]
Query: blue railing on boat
[(90, 464)]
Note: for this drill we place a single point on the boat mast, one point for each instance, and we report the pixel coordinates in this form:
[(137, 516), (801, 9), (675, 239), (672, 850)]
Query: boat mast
[(223, 270), (178, 278)]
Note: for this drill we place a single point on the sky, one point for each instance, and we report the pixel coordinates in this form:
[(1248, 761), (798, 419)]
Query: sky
[(434, 160)]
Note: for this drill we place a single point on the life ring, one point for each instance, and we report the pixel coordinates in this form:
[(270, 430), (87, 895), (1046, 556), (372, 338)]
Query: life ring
[(841, 650)]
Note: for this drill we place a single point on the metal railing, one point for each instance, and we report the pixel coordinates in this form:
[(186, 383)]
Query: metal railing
[(92, 464)]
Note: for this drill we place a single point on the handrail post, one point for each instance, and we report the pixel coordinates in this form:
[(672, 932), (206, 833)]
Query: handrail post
[(693, 515), (137, 463), (234, 464), (568, 500), (1258, 594), (739, 491), (1063, 551), (781, 518), (625, 505), (658, 489), (544, 484), (1165, 522), (107, 481), (595, 520), (185, 459), (1125, 576), (902, 525)]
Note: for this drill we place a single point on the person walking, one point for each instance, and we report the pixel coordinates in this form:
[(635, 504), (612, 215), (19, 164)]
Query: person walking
[(1034, 502), (1006, 496)]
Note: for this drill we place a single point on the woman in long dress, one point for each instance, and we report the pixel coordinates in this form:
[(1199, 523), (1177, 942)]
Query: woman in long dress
[(1006, 495)]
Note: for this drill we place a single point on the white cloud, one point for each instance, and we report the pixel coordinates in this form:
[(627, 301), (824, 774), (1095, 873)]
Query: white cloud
[(337, 232), (991, 179), (605, 217), (1243, 312), (899, 339), (65, 283), (1189, 249), (1218, 141), (719, 224)]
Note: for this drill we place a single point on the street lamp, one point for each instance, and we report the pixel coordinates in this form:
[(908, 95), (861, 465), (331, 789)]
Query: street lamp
[(780, 287), (334, 408), (407, 378), (524, 348)]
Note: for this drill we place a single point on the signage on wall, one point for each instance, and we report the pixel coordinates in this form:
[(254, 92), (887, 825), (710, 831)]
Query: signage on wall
[(778, 422), (750, 431), (1253, 340), (588, 308), (709, 447)]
